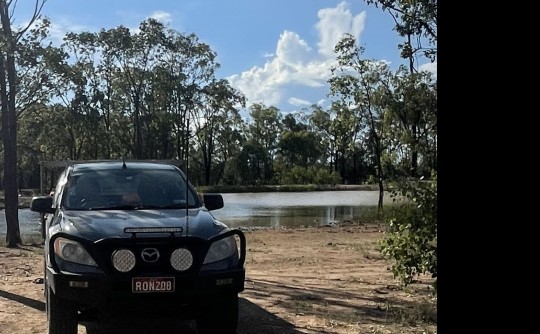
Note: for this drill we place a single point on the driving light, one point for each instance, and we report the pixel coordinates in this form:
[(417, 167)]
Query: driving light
[(123, 260), (181, 259)]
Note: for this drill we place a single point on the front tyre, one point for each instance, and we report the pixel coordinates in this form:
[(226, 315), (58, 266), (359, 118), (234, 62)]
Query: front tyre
[(218, 315), (61, 314)]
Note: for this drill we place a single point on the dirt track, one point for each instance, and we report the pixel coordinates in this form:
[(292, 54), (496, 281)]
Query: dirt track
[(313, 280)]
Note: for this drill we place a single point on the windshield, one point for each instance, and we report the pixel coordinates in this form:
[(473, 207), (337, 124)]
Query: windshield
[(127, 189)]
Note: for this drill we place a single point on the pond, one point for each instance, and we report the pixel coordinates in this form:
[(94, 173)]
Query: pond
[(269, 209), (294, 209)]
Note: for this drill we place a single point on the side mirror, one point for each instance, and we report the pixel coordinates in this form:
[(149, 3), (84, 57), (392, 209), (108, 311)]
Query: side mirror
[(213, 201), (42, 204)]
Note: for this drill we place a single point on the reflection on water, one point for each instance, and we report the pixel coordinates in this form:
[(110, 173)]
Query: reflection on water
[(294, 216), (294, 209), (264, 209), (28, 225)]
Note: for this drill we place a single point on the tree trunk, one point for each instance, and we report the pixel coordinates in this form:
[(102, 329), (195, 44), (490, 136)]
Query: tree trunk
[(9, 130)]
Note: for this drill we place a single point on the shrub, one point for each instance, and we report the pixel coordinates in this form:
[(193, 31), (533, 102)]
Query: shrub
[(411, 238)]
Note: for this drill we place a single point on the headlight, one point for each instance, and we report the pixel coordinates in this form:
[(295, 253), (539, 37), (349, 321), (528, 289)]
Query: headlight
[(72, 251), (221, 249)]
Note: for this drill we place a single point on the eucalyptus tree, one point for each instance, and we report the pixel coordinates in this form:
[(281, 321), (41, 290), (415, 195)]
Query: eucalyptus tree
[(39, 68), (231, 139), (265, 126), (361, 84), (190, 67), (10, 55), (220, 102), (416, 22), (263, 133), (412, 121), (298, 145), (93, 91), (339, 129), (252, 164), (79, 92), (136, 55)]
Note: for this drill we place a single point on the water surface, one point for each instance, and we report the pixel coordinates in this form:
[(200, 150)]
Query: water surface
[(269, 209)]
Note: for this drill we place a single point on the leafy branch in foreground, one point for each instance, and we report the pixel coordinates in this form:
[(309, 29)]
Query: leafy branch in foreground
[(412, 231)]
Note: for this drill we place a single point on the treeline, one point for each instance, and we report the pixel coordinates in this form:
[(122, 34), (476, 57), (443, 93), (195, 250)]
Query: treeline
[(154, 94)]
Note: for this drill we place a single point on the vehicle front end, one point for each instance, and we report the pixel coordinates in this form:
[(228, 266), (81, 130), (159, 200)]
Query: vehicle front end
[(111, 274)]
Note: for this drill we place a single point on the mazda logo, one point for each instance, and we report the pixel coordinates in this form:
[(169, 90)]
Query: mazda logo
[(150, 254)]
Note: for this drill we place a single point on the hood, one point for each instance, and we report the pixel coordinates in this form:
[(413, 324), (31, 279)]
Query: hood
[(95, 225)]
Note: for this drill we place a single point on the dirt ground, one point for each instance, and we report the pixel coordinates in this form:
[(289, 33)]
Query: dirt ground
[(306, 280)]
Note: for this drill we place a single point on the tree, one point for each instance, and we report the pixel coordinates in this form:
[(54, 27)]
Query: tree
[(264, 130), (362, 85), (412, 235), (220, 102), (412, 122), (298, 146), (340, 129), (8, 96), (416, 21)]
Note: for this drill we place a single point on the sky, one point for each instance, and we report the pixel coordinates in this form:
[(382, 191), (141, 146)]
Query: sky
[(276, 52)]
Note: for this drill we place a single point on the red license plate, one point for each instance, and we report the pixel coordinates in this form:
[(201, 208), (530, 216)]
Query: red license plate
[(152, 284)]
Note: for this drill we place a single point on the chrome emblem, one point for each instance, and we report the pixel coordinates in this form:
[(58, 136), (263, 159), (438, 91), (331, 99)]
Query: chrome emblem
[(150, 254)]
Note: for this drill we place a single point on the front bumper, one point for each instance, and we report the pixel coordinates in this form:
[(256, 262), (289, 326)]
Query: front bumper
[(111, 290), (100, 291)]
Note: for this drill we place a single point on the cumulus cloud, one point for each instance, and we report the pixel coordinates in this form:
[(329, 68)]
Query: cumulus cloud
[(333, 23), (429, 67), (162, 16), (296, 63), (292, 50)]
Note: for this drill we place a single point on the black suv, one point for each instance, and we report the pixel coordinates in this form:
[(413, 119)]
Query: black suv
[(136, 238)]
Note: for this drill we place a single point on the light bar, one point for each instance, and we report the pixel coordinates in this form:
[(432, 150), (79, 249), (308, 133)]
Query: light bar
[(153, 230)]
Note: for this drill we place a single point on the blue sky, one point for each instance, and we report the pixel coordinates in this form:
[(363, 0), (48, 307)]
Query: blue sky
[(276, 52)]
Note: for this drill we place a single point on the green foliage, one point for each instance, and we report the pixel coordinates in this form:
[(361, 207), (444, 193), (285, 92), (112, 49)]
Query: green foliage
[(412, 231), (116, 93), (323, 176), (416, 21)]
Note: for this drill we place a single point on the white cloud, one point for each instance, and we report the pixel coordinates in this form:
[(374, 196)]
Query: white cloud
[(292, 50), (429, 67), (162, 16), (298, 102), (334, 22), (296, 63)]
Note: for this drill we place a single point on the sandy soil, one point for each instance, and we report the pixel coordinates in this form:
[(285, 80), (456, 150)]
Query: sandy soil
[(313, 280)]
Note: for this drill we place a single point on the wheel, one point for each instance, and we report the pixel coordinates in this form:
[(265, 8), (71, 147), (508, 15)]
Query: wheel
[(218, 315), (61, 314)]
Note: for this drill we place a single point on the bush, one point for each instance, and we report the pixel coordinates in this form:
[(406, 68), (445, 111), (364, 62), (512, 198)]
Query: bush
[(412, 231)]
